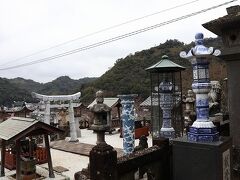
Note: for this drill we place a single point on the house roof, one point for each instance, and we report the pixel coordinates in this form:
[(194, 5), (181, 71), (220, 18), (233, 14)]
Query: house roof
[(19, 109), (155, 99), (111, 102), (17, 127), (147, 102)]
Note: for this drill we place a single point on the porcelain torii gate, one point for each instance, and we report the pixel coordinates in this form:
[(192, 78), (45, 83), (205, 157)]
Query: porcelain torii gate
[(47, 99)]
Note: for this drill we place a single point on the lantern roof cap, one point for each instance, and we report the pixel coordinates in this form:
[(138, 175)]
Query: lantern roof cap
[(100, 106), (230, 21), (199, 50), (165, 65)]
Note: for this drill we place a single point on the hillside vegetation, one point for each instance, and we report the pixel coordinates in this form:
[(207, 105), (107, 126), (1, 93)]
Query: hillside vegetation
[(128, 75), (19, 89)]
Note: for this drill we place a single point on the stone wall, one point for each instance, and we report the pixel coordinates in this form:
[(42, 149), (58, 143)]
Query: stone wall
[(150, 163)]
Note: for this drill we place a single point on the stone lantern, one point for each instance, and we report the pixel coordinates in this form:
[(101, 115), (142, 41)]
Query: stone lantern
[(202, 129), (166, 96), (100, 111), (102, 152), (228, 27)]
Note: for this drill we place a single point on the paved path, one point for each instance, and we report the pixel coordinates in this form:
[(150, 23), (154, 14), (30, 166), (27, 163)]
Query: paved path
[(77, 147)]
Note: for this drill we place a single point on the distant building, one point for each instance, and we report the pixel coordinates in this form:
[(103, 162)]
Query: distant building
[(19, 109)]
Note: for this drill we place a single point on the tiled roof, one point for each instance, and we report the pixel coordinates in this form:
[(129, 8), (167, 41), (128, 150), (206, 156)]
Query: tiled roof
[(147, 102), (111, 102)]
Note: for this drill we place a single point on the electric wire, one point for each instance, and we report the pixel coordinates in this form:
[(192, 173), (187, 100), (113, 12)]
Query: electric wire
[(116, 38), (99, 31)]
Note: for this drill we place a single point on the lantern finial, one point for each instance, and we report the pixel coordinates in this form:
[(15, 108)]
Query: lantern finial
[(99, 97), (199, 39)]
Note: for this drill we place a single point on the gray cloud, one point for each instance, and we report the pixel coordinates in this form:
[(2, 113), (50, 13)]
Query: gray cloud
[(29, 26)]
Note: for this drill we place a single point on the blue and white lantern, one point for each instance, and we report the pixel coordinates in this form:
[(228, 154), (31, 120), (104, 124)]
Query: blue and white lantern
[(202, 129), (166, 95), (128, 122), (166, 104)]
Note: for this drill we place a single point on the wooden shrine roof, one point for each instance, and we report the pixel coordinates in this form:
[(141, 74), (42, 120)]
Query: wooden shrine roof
[(17, 127)]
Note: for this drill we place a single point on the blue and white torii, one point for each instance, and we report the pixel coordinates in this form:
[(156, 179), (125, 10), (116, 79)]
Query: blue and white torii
[(70, 98)]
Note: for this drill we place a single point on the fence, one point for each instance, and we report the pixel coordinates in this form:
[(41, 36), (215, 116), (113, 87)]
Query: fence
[(151, 163)]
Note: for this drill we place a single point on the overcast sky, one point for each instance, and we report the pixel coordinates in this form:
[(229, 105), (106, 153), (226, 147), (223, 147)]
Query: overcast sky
[(29, 26)]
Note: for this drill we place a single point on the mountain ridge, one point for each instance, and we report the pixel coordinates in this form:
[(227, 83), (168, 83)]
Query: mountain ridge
[(128, 75)]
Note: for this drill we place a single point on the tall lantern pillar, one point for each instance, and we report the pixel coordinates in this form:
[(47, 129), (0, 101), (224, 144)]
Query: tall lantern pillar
[(209, 156), (202, 129), (166, 95), (166, 104)]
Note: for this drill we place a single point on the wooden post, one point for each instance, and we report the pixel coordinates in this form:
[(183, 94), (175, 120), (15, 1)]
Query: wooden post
[(18, 159), (120, 119), (25, 112), (50, 166), (30, 147), (3, 158), (119, 114)]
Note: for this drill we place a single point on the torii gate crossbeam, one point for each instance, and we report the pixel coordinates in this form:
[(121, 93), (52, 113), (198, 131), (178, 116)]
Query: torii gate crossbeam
[(54, 98)]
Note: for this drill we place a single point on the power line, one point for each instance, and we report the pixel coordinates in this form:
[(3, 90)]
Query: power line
[(99, 31), (116, 38)]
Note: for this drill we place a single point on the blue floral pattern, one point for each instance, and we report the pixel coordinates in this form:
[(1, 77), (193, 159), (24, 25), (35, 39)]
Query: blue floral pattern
[(166, 104), (202, 129), (128, 123)]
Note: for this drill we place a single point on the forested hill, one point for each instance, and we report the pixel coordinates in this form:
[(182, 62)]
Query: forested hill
[(128, 74), (19, 89), (11, 92)]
